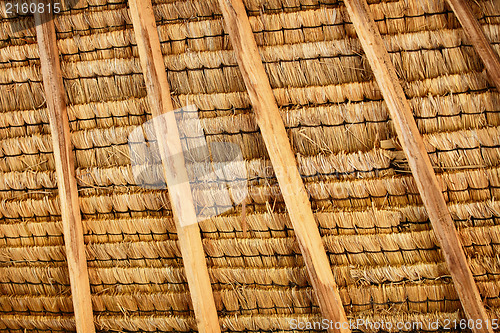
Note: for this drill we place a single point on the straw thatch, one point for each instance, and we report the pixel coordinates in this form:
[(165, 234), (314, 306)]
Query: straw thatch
[(385, 257)]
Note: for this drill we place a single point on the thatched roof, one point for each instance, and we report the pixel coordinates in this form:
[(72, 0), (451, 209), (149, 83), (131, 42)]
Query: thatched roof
[(384, 255)]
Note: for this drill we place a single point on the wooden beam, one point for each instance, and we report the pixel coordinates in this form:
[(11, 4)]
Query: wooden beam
[(419, 161), (478, 39), (181, 199), (283, 161), (65, 171)]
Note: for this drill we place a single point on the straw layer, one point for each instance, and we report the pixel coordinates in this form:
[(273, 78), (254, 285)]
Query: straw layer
[(385, 257)]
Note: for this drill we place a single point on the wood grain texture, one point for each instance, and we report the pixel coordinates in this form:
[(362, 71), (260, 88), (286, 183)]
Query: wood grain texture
[(283, 161), (419, 161), (65, 172), (478, 39), (188, 231)]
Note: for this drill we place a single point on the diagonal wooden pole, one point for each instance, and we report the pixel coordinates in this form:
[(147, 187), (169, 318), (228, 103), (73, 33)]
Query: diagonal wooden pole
[(65, 171), (174, 169), (419, 161), (283, 161), (478, 39)]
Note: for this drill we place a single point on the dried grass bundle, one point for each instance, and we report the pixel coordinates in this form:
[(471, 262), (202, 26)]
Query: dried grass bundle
[(32, 182), (147, 323), (24, 123), (129, 230), (141, 201), (33, 322), (30, 208), (45, 305), (31, 234), (458, 186), (34, 280), (112, 280), (467, 148), (33, 255), (170, 303), (136, 254), (32, 97), (265, 301), (18, 31)]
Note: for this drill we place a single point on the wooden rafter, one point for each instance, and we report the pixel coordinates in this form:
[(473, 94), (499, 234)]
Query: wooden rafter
[(478, 39), (418, 159), (283, 161), (65, 172), (190, 243)]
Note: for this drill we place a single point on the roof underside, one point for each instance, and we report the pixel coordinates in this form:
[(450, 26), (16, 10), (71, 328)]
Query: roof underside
[(384, 255)]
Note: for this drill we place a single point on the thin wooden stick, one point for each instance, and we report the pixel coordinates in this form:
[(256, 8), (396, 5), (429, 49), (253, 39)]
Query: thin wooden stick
[(419, 161), (283, 161), (181, 199), (65, 172), (478, 39)]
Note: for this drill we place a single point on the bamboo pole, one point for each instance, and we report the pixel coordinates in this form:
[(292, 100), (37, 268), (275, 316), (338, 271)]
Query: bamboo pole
[(478, 39), (283, 161), (419, 161), (65, 172), (181, 199)]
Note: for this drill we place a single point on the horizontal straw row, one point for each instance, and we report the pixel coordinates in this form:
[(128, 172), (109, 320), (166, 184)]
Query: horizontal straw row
[(95, 90), (433, 114), (85, 23)]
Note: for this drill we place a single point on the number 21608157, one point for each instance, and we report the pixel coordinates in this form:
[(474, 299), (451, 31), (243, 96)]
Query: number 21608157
[(470, 324), (32, 8)]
